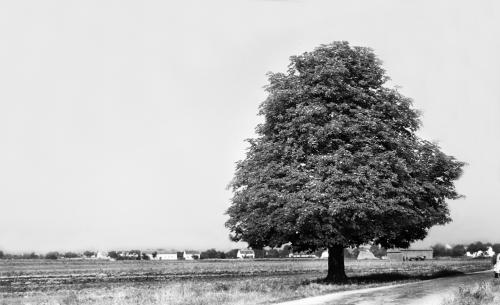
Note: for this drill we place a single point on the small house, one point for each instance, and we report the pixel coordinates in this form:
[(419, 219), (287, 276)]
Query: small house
[(171, 256), (488, 253), (394, 254), (245, 253), (190, 255)]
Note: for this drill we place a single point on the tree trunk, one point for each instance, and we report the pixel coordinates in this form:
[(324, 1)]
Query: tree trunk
[(336, 268)]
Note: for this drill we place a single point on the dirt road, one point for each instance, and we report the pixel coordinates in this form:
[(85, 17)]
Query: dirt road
[(430, 292)]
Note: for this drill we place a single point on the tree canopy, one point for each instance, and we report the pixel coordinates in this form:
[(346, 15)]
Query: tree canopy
[(478, 246), (337, 161)]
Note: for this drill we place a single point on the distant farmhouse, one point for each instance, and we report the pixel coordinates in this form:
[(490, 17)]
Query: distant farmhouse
[(410, 254), (171, 255), (245, 253), (98, 255), (166, 256), (155, 255), (488, 253), (191, 255)]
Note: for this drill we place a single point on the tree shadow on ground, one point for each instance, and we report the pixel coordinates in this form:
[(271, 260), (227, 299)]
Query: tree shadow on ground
[(377, 278)]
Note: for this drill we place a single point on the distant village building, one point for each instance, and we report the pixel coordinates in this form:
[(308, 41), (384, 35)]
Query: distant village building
[(474, 254), (409, 254), (191, 255), (166, 256), (324, 254), (246, 253), (395, 254), (129, 255), (365, 253), (488, 253), (302, 255)]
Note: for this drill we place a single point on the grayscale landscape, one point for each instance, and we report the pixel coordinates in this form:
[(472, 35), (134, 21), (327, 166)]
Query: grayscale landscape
[(249, 152)]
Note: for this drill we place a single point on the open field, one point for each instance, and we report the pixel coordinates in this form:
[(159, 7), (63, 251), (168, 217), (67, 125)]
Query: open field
[(198, 282)]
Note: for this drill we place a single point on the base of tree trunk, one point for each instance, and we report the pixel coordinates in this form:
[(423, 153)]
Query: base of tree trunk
[(336, 267)]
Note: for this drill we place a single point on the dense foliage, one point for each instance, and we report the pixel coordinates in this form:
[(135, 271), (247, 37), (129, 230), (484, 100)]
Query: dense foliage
[(113, 255), (89, 253), (71, 255), (212, 253), (52, 255), (478, 246), (459, 250), (337, 161)]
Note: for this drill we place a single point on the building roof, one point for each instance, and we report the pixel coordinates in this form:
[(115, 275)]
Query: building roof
[(247, 251), (420, 249), (393, 250), (398, 250)]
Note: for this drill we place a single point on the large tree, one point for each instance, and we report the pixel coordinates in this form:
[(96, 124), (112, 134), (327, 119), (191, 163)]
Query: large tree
[(337, 162)]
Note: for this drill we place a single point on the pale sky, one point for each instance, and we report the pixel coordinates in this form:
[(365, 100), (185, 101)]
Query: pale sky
[(121, 121)]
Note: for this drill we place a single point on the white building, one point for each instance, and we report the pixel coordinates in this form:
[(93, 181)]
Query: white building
[(488, 253), (166, 256), (324, 254), (191, 255), (247, 253)]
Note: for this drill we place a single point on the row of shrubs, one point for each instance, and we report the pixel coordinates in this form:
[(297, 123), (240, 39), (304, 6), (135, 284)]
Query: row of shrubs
[(33, 255), (58, 255)]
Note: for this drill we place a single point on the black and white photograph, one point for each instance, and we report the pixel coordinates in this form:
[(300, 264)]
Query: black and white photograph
[(240, 152)]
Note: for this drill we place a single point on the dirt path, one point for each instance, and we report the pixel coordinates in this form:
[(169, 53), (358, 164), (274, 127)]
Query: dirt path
[(430, 292)]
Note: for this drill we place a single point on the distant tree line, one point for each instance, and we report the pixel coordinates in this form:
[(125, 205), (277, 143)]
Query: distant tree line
[(31, 255), (459, 250), (212, 253), (350, 253), (259, 253)]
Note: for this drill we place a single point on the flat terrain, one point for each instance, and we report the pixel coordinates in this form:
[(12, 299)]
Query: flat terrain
[(199, 282), (437, 291)]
